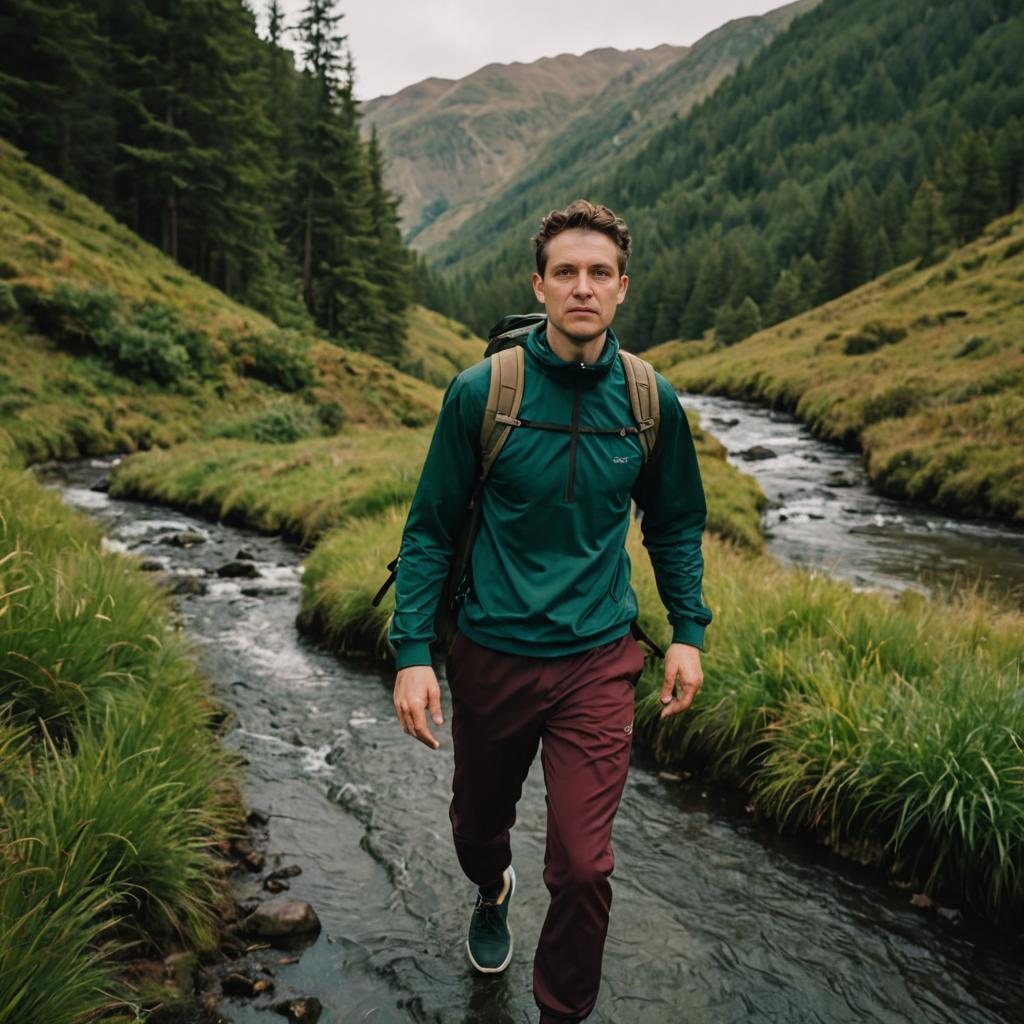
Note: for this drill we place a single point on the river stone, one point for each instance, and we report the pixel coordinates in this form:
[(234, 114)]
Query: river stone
[(837, 478), (257, 816), (300, 1011), (183, 584), (252, 859), (282, 919), (151, 565), (756, 452), (245, 555), (185, 539), (238, 984), (102, 485), (239, 570), (289, 871)]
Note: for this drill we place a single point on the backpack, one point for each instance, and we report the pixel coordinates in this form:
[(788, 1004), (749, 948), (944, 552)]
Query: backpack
[(505, 347)]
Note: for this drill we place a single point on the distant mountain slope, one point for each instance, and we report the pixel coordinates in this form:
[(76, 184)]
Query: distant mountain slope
[(458, 148), (606, 130), (923, 370), (801, 177), (448, 141)]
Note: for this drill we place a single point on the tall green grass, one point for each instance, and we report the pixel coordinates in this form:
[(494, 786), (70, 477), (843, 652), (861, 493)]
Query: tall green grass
[(114, 787), (893, 728)]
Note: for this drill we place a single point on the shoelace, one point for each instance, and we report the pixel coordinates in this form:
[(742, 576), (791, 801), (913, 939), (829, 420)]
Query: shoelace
[(483, 910)]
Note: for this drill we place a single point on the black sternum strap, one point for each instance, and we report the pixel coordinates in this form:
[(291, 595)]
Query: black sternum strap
[(564, 428)]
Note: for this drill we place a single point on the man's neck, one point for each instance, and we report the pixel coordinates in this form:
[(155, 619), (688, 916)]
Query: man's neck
[(573, 351)]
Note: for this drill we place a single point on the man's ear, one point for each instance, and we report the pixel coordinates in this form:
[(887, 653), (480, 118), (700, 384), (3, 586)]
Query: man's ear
[(623, 288), (538, 287)]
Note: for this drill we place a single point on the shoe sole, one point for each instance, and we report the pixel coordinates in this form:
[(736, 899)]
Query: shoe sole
[(511, 943)]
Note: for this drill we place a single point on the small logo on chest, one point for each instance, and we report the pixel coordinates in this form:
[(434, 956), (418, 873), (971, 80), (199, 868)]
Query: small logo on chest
[(619, 459)]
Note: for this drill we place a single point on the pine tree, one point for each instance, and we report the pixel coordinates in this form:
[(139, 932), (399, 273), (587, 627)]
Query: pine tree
[(733, 324), (847, 263), (969, 187), (275, 22), (1008, 157), (786, 299), (927, 229), (390, 268), (881, 255)]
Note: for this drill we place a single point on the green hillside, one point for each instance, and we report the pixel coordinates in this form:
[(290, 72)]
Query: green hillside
[(922, 369), (106, 344), (799, 179), (437, 348)]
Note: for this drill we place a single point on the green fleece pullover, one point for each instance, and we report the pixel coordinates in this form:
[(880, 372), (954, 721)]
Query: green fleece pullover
[(549, 572)]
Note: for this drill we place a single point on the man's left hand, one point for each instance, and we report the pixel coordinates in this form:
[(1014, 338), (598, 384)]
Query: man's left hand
[(683, 677)]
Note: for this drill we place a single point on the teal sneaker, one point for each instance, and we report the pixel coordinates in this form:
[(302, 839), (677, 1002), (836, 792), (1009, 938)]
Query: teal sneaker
[(490, 938)]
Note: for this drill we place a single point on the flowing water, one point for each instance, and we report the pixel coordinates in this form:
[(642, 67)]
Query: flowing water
[(822, 511), (714, 919)]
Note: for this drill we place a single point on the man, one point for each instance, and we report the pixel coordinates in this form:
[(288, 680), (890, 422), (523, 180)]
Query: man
[(544, 654)]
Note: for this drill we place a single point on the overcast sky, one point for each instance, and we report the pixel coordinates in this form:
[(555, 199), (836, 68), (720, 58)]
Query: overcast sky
[(398, 42)]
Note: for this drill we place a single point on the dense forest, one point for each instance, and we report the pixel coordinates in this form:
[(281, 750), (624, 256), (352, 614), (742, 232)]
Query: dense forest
[(871, 132), (210, 142)]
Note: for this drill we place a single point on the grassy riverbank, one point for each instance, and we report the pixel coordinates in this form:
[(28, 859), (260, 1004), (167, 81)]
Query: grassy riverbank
[(921, 369), (115, 789)]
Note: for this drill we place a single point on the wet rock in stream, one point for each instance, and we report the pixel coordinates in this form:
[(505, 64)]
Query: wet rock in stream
[(757, 452), (300, 1011), (239, 570), (281, 921), (185, 539), (184, 585)]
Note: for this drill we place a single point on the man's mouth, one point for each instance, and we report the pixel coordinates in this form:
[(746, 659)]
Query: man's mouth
[(583, 309)]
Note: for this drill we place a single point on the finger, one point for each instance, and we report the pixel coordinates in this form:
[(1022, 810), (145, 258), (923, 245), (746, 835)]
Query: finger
[(435, 705), (403, 719), (687, 691), (668, 686), (420, 729)]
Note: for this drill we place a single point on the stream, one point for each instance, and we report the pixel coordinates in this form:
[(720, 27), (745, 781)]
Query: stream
[(715, 920), (822, 511)]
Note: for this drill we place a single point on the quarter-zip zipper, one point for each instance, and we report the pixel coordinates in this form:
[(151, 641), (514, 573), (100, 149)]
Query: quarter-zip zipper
[(572, 441)]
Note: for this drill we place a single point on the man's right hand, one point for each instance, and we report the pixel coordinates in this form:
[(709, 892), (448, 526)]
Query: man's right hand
[(416, 690)]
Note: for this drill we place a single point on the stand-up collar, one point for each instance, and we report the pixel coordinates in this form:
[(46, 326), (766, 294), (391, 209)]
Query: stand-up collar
[(570, 371)]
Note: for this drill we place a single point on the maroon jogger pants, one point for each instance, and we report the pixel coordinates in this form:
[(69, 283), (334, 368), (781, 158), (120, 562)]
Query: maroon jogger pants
[(579, 709)]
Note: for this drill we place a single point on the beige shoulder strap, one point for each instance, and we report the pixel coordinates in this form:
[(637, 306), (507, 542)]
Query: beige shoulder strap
[(503, 401), (642, 388)]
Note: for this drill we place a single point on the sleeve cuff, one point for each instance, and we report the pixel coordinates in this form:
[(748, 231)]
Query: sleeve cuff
[(688, 632), (413, 652)]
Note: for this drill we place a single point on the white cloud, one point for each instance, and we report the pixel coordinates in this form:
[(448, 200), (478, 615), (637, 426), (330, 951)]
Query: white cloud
[(396, 44)]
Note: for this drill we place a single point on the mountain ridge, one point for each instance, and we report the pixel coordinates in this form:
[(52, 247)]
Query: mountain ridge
[(448, 140), (431, 160)]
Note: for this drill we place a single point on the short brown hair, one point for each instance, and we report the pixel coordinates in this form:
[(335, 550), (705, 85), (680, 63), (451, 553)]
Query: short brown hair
[(582, 214)]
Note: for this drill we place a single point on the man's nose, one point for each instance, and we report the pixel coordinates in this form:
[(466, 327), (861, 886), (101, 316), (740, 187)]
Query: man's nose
[(583, 286)]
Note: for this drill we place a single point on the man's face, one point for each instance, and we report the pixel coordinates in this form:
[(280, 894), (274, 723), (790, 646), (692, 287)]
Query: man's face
[(581, 286)]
